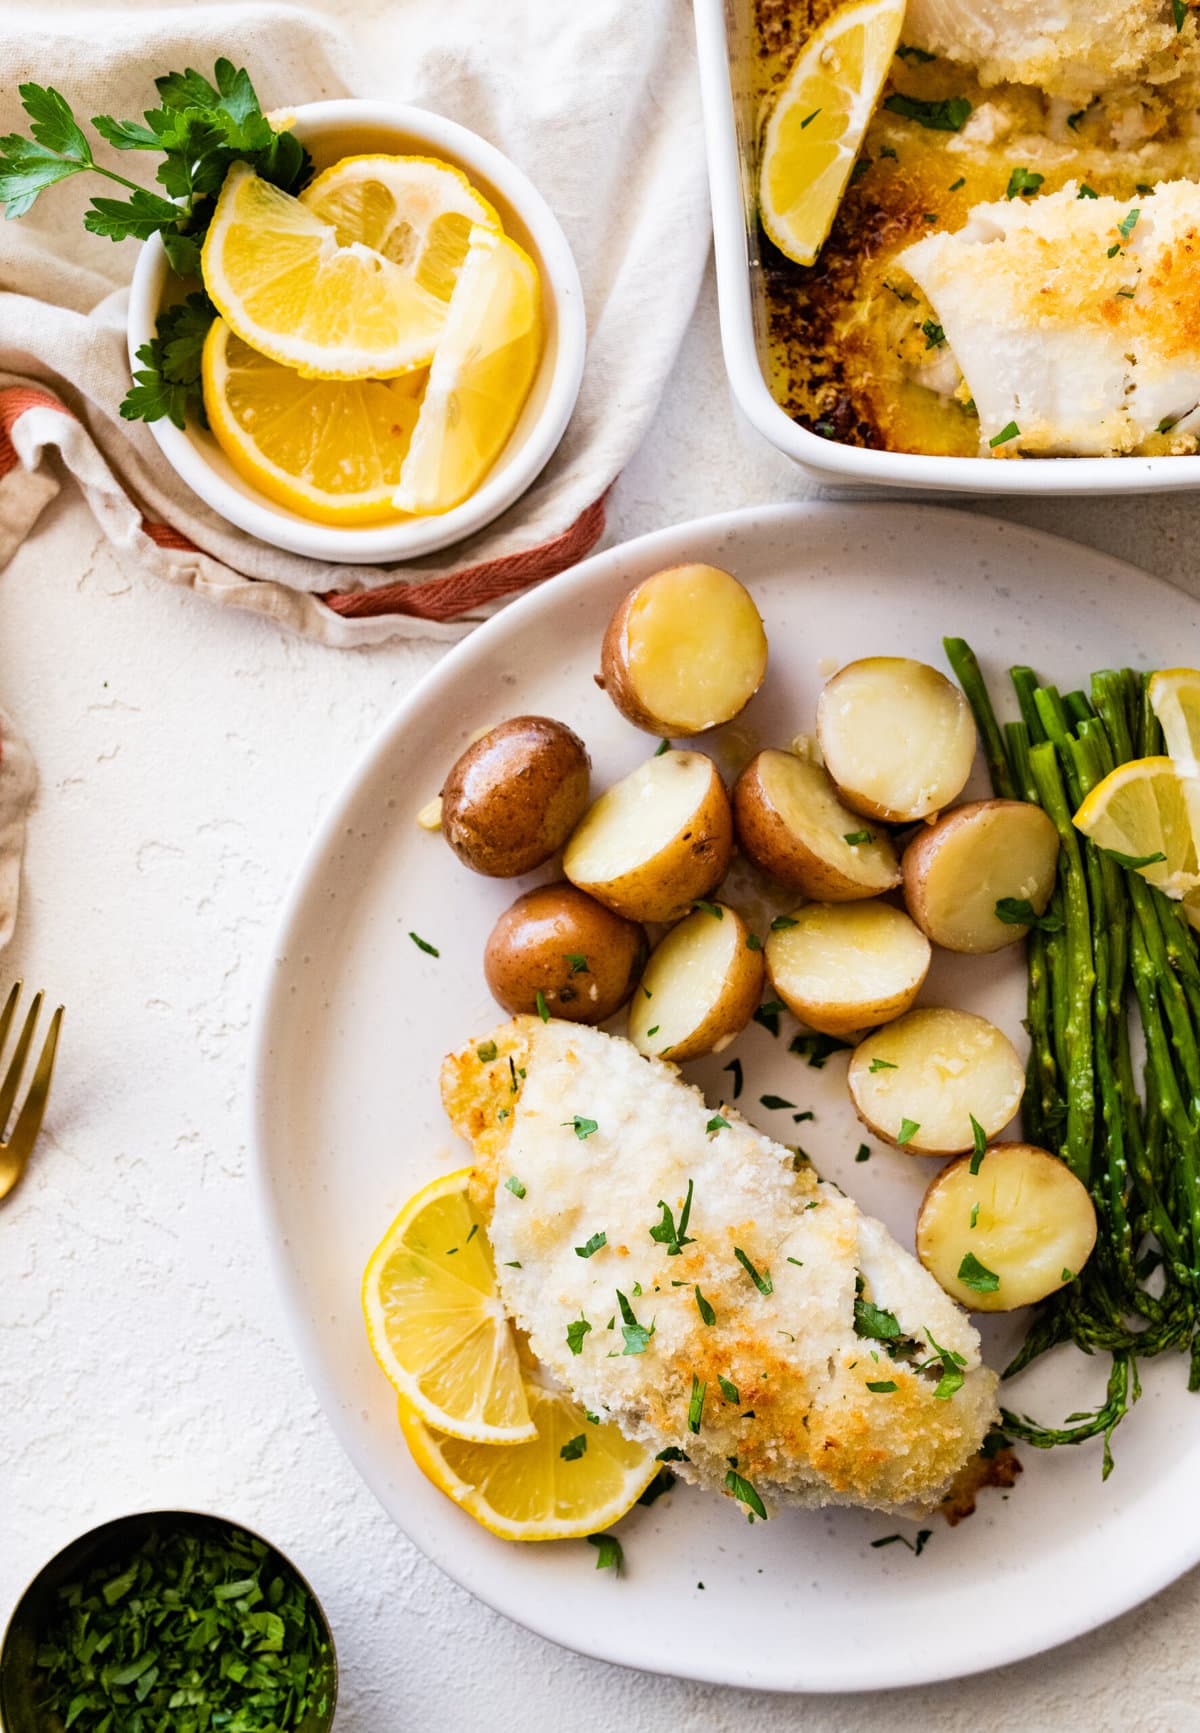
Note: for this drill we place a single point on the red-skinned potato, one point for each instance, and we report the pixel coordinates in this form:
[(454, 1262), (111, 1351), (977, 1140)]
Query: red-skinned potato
[(559, 942), (514, 796), (684, 651)]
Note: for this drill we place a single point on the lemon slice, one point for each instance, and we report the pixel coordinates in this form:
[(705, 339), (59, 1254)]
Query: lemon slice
[(287, 286), (330, 449), (532, 1491), (1148, 807), (436, 1323), (817, 124), (481, 375), (413, 210), (1175, 699)]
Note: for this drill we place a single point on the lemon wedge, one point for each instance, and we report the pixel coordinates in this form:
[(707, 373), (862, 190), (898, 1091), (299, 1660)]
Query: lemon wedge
[(574, 1478), (436, 1323), (286, 285), (414, 210), (328, 449), (480, 378), (1175, 699), (1145, 808), (816, 126)]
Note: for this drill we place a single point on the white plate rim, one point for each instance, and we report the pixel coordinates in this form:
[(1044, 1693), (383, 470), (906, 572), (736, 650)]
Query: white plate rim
[(667, 545)]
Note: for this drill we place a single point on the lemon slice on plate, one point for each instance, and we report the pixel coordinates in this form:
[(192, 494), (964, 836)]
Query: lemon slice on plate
[(330, 449), (574, 1478), (1175, 699), (816, 126), (414, 210), (1144, 808), (480, 378), (436, 1323), (286, 285)]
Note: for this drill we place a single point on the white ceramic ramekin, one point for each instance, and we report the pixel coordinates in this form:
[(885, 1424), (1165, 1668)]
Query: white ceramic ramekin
[(331, 130), (724, 34)]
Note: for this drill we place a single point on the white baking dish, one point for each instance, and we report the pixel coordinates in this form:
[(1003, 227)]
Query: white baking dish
[(725, 39)]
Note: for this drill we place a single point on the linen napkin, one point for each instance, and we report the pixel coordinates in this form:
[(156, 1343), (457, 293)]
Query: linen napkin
[(17, 782), (596, 101)]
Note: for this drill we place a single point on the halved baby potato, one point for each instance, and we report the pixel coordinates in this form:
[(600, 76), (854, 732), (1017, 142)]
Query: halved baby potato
[(918, 1083), (701, 987), (657, 841), (843, 967), (558, 942), (791, 823), (897, 737), (1019, 1229), (684, 651), (974, 857)]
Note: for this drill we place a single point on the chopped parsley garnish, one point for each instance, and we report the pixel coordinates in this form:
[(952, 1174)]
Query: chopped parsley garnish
[(1179, 12), (886, 150), (729, 1390), (881, 1065), (665, 1231), (653, 1031), (637, 1336), (513, 1184), (1166, 424), (713, 909), (799, 1262), (663, 746), (799, 1118), (1068, 1275), (576, 1331), (578, 962), (753, 942), (767, 1015), (716, 1123), (424, 945), (781, 923), (947, 116), (1133, 861), (808, 119), (855, 837), (608, 1552), (908, 1130), (882, 1386), (672, 1454), (921, 56), (735, 1069), (816, 1048), (1073, 120), (864, 1152), (1113, 250), (696, 1405), (974, 1214), (539, 1000), (705, 1310), (471, 1232), (1126, 294), (953, 1377), (775, 1101), (591, 1246), (574, 1448), (874, 1323), (1020, 912), (663, 1481), (1022, 181), (973, 1274), (762, 1282), (1086, 192), (1012, 431), (960, 182), (935, 336), (743, 1490), (923, 1535), (513, 1085), (583, 1127), (486, 1052), (513, 1264), (1128, 223), (979, 1138)]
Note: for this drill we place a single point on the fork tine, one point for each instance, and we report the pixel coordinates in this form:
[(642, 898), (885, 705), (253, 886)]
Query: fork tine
[(6, 1016), (29, 1120), (12, 1077)]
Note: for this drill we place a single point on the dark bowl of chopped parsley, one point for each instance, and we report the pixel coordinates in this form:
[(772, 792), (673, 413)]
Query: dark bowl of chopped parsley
[(168, 1622)]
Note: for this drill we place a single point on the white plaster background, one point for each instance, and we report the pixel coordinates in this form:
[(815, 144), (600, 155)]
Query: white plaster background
[(185, 755)]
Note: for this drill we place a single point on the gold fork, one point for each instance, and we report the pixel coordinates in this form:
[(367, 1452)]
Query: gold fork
[(16, 1152)]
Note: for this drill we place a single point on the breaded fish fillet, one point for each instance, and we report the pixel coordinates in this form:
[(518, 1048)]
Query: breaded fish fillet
[(833, 1369), (1069, 48), (1075, 319)]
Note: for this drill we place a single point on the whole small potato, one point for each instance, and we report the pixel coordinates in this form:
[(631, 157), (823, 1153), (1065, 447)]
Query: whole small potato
[(559, 942), (684, 651), (513, 798)]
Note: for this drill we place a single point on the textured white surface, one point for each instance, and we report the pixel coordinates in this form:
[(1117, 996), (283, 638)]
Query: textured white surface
[(185, 754)]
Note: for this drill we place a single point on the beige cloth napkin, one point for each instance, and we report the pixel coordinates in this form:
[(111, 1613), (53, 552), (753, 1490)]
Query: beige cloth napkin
[(594, 99)]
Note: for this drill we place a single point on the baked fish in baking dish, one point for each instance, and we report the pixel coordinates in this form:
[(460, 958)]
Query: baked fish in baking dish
[(740, 1309)]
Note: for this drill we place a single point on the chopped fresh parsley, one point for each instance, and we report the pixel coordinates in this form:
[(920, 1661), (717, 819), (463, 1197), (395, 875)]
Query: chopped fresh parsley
[(974, 1214), (717, 1123), (855, 837), (908, 1130), (917, 1548), (781, 923), (1068, 1275), (713, 909), (696, 1404), (816, 1049), (1128, 223), (808, 119), (704, 1308), (950, 115), (953, 1377), (1179, 12), (775, 1102), (921, 56), (1086, 192), (583, 1127), (487, 1052), (753, 942), (864, 1152), (513, 1184), (672, 1454), (663, 1481), (608, 1552), (979, 1139), (578, 962), (1022, 181), (881, 1065), (874, 1323), (1020, 912), (424, 945), (960, 182), (735, 1070), (591, 1246), (666, 1232), (1012, 431), (799, 1262), (663, 746), (653, 1031), (743, 1490), (935, 336), (576, 1331), (882, 1386), (539, 1000), (806, 1113), (762, 1282), (637, 1336), (886, 150), (574, 1448), (729, 1390), (768, 1014), (973, 1274), (1133, 861)]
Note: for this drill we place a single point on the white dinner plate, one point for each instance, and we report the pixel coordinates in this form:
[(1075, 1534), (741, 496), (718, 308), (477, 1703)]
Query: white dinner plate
[(355, 1020)]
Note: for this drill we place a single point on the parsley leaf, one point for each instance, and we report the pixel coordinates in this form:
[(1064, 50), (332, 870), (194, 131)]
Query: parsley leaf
[(574, 1448), (1011, 431), (781, 923), (168, 381), (882, 1386), (762, 1282), (486, 1052), (583, 1127), (1020, 912), (973, 1274), (608, 1552), (717, 1123), (696, 1404), (979, 1135), (935, 336), (665, 1231), (735, 1069), (513, 1184), (768, 1014), (816, 1048), (1133, 861), (874, 1323), (776, 1101), (424, 945), (855, 837), (947, 116), (1022, 181), (637, 1336), (713, 909), (881, 1065), (729, 1390), (743, 1490), (908, 1130), (591, 1246), (576, 1331)]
